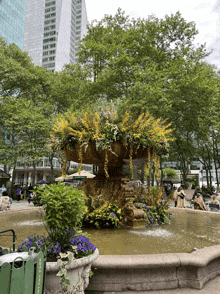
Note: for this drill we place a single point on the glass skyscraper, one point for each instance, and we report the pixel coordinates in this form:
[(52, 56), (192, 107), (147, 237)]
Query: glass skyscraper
[(12, 19), (53, 29)]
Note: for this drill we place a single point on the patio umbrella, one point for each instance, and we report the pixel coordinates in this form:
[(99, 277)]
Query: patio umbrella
[(60, 179), (42, 182), (83, 173)]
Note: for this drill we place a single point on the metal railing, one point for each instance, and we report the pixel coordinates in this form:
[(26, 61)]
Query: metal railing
[(13, 235)]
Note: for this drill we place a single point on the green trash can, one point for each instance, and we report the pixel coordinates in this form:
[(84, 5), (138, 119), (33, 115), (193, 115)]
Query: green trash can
[(22, 272)]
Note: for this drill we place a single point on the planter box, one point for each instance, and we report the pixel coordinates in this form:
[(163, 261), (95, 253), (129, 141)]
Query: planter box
[(77, 270)]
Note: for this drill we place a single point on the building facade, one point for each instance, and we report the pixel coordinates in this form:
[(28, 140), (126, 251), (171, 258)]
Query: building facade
[(52, 32), (24, 173), (197, 171), (12, 21)]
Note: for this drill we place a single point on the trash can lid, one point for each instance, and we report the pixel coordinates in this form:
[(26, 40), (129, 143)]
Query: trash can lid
[(10, 257)]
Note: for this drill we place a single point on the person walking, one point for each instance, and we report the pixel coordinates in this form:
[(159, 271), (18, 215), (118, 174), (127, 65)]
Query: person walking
[(175, 195), (18, 193), (181, 203)]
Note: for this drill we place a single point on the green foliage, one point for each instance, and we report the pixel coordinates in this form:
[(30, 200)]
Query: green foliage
[(63, 205), (62, 261), (170, 173), (26, 128), (157, 214)]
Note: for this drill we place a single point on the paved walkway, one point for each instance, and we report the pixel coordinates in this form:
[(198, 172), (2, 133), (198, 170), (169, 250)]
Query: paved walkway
[(211, 287), (21, 204)]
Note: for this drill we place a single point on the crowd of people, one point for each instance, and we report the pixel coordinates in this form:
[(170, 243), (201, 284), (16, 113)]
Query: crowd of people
[(197, 200), (19, 192)]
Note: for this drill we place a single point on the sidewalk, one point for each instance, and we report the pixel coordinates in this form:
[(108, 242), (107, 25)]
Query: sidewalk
[(21, 205)]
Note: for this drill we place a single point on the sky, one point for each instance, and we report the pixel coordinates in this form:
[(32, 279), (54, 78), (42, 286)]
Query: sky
[(205, 13)]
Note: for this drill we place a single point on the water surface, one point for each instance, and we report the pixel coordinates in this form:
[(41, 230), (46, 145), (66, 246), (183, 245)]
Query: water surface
[(188, 230)]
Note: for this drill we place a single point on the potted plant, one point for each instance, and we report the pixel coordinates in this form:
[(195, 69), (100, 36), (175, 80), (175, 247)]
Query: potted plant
[(69, 251)]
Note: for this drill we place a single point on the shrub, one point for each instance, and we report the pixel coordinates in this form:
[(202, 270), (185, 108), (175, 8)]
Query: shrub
[(63, 205)]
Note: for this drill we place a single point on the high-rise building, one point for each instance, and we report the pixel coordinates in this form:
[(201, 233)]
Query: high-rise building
[(12, 19), (53, 29)]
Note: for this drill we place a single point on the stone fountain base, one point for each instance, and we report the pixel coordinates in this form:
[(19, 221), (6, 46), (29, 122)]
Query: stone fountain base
[(135, 216), (122, 273)]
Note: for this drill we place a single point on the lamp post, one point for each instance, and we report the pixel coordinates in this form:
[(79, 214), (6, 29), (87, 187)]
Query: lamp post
[(202, 175)]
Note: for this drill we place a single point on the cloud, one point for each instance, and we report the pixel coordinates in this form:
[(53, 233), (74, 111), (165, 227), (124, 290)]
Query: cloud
[(216, 7)]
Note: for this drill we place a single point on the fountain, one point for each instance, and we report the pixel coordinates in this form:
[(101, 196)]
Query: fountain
[(109, 142), (103, 140), (146, 269)]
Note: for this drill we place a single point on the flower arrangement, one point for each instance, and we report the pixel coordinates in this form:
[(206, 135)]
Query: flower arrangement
[(107, 127), (107, 215), (79, 244), (154, 207)]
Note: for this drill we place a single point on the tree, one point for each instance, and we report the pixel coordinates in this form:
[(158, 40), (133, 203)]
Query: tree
[(170, 173), (152, 64), (27, 130)]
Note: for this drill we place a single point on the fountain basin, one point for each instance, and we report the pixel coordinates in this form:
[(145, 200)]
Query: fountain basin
[(142, 272), (118, 273)]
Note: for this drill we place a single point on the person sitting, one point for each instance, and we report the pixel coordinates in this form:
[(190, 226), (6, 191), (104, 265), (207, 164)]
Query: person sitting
[(197, 190), (5, 193), (214, 203), (199, 203), (218, 196), (214, 200)]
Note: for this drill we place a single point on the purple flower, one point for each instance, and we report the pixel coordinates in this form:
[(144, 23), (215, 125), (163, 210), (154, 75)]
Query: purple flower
[(127, 136), (112, 214)]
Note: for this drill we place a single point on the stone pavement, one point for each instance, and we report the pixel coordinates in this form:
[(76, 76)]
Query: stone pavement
[(22, 204)]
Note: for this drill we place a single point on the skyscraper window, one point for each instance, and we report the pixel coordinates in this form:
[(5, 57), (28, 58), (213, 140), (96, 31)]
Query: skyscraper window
[(52, 24), (12, 20)]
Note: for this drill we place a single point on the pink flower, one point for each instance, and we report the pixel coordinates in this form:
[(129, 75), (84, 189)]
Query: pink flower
[(127, 136)]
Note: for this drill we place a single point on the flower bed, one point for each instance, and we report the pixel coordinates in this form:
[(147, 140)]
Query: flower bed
[(71, 241)]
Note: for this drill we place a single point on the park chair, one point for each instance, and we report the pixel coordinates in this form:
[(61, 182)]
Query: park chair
[(213, 207)]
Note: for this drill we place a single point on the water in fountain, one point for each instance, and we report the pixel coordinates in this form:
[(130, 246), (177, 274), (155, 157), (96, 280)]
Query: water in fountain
[(187, 230)]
